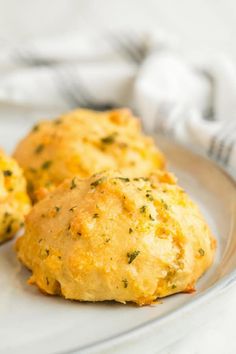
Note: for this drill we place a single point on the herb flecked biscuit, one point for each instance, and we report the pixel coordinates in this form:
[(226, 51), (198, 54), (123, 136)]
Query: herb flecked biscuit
[(14, 201), (111, 237), (84, 142)]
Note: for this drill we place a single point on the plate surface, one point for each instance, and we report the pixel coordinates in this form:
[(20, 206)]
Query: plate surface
[(33, 323)]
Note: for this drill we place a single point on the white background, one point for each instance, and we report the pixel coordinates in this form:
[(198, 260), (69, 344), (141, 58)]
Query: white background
[(201, 25)]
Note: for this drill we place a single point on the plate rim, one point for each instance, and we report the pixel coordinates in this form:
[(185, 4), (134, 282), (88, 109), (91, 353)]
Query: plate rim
[(219, 286)]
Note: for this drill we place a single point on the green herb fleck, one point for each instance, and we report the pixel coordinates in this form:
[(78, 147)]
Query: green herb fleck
[(130, 230), (9, 228), (132, 255), (173, 286), (31, 169), (7, 173), (57, 121), (46, 164), (35, 128), (149, 197), (96, 215), (109, 139), (125, 283), (143, 209), (97, 182), (123, 179), (73, 208), (201, 251), (39, 149), (107, 240), (164, 204), (141, 179), (151, 218), (57, 209), (73, 184)]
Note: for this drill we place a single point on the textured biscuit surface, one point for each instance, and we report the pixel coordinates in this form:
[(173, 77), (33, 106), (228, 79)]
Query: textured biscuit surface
[(110, 237), (84, 142), (14, 201)]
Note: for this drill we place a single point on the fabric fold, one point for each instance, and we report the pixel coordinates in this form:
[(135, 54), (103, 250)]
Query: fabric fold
[(193, 101)]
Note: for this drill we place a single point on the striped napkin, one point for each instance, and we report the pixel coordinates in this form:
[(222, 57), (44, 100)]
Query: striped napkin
[(188, 96)]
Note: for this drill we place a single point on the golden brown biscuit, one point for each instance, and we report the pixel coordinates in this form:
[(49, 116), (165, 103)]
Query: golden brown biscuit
[(82, 143), (111, 237), (14, 202)]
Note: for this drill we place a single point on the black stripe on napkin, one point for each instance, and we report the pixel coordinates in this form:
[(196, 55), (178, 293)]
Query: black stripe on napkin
[(125, 45), (73, 90), (219, 147)]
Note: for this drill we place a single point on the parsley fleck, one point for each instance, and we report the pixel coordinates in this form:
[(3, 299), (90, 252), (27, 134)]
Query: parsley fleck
[(107, 240), (149, 197), (35, 128), (141, 178), (57, 121), (7, 173), (48, 183), (97, 182), (164, 204), (130, 230), (46, 164), (31, 169), (125, 283), (201, 251), (173, 286), (73, 184), (9, 229), (73, 208), (143, 209), (57, 209), (39, 149), (123, 179), (132, 255), (151, 217), (109, 139)]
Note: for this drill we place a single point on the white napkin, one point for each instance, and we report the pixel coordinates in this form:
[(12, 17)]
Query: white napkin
[(190, 97)]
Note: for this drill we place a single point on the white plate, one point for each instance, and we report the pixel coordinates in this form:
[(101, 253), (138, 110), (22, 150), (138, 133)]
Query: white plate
[(33, 323)]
